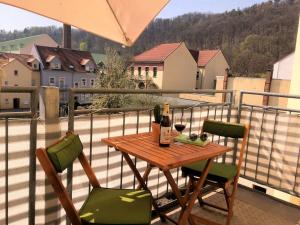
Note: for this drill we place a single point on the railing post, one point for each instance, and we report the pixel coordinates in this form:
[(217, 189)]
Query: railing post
[(49, 115), (32, 159), (70, 128), (238, 121)]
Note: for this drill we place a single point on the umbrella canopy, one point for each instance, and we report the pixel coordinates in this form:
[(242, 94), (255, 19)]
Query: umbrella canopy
[(118, 20)]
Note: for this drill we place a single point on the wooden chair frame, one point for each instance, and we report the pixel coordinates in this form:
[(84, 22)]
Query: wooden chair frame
[(229, 196), (59, 188)]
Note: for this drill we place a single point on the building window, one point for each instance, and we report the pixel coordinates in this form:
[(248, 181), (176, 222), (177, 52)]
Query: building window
[(33, 82), (89, 68), (76, 84), (132, 71), (92, 82), (61, 82), (52, 81), (6, 83), (16, 72), (55, 66), (147, 71), (83, 82), (215, 84), (87, 97), (154, 72), (6, 101), (140, 71)]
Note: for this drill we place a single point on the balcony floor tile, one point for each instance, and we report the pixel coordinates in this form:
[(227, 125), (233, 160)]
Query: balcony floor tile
[(250, 208)]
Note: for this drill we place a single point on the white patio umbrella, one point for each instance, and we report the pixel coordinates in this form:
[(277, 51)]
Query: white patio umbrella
[(118, 20)]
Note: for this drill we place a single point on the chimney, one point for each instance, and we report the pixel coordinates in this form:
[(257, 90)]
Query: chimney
[(225, 82), (267, 86), (67, 36)]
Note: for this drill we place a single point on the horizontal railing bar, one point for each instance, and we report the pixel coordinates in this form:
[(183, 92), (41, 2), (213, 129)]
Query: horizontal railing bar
[(13, 89), (16, 115), (272, 108), (135, 91), (270, 186), (271, 94), (117, 110)]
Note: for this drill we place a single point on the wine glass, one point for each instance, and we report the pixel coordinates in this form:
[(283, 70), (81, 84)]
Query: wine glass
[(180, 123)]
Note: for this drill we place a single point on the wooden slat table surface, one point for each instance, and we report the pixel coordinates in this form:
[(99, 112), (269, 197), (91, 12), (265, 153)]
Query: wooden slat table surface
[(143, 147)]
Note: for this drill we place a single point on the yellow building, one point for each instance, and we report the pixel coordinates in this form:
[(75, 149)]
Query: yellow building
[(211, 64), (17, 70), (169, 66)]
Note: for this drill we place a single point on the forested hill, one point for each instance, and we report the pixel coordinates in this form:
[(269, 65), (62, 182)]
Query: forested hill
[(252, 39)]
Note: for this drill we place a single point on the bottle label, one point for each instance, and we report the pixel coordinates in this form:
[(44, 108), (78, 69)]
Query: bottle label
[(165, 135)]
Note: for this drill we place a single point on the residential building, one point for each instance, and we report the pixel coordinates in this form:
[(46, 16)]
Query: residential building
[(295, 79), (169, 66), (99, 59), (283, 68), (24, 45), (17, 70), (66, 68), (211, 63)]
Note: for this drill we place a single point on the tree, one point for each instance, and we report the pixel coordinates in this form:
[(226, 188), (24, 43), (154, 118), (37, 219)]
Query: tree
[(83, 46), (115, 75)]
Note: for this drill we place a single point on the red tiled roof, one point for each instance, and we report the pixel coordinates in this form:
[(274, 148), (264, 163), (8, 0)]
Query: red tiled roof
[(70, 59), (206, 55), (157, 54), (23, 58)]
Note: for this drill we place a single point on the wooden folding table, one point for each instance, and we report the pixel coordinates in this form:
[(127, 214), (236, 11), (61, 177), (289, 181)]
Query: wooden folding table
[(143, 146)]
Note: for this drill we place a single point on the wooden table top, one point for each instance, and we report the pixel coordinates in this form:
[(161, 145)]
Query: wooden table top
[(144, 147)]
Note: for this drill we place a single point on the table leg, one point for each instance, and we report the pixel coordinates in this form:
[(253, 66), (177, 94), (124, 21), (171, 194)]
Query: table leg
[(187, 206), (141, 181), (197, 190), (181, 200), (146, 174)]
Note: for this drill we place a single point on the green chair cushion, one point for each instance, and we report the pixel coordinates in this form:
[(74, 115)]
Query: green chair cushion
[(219, 172), (232, 130), (65, 152), (117, 206)]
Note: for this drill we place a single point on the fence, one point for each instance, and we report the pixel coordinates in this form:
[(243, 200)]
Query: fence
[(272, 149), (272, 155), (14, 153)]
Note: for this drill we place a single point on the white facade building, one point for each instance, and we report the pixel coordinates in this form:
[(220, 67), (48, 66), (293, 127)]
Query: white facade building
[(283, 69)]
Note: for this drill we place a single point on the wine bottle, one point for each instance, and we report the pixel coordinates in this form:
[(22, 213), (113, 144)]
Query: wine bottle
[(165, 128)]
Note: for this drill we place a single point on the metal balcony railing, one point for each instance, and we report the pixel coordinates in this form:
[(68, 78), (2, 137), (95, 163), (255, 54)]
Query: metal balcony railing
[(271, 159)]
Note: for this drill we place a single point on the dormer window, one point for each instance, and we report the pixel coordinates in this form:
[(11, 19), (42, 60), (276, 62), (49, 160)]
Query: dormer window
[(33, 63), (54, 62), (55, 66), (89, 68), (88, 65), (35, 66)]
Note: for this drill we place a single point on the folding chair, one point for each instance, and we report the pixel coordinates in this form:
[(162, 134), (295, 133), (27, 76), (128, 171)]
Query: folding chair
[(103, 205), (221, 175)]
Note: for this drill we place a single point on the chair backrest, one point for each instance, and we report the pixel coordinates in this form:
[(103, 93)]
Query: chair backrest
[(63, 153), (232, 130), (219, 128), (55, 159)]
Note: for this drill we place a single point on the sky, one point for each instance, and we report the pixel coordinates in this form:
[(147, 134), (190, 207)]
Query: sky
[(19, 19)]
